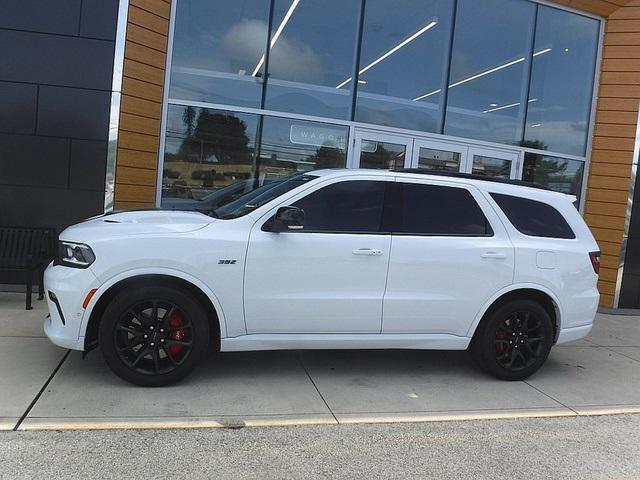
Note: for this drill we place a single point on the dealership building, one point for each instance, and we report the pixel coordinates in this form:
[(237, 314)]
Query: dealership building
[(163, 103)]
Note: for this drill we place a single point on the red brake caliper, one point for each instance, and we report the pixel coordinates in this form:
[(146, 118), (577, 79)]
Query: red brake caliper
[(175, 321), (500, 347)]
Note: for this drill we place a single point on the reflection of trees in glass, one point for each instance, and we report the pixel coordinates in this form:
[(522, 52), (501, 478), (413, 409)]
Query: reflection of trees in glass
[(215, 137), (328, 157), (556, 173), (535, 144), (189, 117), (544, 170), (382, 158)]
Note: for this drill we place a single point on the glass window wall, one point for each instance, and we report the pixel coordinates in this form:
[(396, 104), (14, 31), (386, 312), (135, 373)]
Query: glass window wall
[(560, 174), (312, 50), (213, 156), (205, 152), (291, 146), (487, 76), (410, 62), (217, 45), (561, 90), (402, 63)]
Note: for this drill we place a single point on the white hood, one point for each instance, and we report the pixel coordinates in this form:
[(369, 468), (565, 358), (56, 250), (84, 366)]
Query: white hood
[(136, 222)]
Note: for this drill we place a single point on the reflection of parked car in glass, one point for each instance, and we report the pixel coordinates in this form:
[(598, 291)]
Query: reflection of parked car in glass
[(213, 200), (458, 262)]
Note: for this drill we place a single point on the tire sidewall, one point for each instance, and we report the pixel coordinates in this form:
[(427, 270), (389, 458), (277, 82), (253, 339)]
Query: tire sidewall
[(129, 298), (486, 345)]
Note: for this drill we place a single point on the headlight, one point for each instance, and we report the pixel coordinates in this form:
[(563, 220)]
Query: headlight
[(77, 255)]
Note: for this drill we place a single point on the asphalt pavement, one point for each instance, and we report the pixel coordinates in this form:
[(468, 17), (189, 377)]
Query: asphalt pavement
[(565, 448)]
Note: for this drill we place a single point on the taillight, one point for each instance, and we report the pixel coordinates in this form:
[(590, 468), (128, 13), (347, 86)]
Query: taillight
[(595, 261)]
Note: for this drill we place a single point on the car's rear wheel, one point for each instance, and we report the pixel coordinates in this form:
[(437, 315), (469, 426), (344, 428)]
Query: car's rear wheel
[(514, 341), (153, 336)]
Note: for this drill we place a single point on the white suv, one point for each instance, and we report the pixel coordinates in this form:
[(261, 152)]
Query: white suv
[(331, 259)]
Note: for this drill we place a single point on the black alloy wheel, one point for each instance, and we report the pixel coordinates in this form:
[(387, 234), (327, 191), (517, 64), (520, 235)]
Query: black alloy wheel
[(519, 341), (513, 341), (153, 336)]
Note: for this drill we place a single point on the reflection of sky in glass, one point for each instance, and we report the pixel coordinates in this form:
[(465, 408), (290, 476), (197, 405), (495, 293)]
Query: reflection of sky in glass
[(214, 38), (488, 35), (311, 56), (387, 89), (219, 46), (561, 82)]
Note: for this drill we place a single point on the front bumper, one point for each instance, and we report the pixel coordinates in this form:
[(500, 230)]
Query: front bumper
[(65, 290), (58, 336)]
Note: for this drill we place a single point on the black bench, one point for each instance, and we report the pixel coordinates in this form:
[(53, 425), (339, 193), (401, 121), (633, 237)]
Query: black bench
[(28, 250)]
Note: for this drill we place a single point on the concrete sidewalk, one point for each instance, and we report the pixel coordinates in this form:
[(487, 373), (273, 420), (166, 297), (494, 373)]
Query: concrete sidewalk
[(594, 376)]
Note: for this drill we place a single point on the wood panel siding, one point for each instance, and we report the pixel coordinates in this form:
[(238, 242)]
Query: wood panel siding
[(614, 138), (141, 103)]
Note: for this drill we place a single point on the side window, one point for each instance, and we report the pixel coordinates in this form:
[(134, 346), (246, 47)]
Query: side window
[(438, 210), (352, 206), (533, 218)]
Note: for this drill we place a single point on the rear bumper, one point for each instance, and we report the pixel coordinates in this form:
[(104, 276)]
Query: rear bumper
[(574, 333)]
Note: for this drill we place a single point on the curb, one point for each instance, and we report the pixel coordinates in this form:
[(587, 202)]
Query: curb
[(42, 424)]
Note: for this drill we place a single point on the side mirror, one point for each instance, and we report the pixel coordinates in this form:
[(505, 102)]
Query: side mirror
[(286, 218)]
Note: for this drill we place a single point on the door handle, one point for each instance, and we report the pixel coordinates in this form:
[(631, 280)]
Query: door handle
[(367, 251), (494, 255)]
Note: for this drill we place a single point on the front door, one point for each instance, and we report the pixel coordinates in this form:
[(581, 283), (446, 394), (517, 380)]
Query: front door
[(439, 156), (381, 151), (390, 152), (328, 277), (491, 162)]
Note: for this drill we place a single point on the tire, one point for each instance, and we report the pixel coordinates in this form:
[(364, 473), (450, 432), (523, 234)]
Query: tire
[(514, 341), (154, 335)]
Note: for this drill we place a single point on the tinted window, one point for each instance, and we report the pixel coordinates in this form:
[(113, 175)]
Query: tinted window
[(533, 218), (354, 206), (437, 210)]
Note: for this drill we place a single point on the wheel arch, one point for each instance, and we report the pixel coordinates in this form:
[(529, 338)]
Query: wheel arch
[(108, 290), (540, 294)]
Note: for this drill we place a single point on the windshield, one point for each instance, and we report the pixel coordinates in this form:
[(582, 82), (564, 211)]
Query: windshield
[(249, 201)]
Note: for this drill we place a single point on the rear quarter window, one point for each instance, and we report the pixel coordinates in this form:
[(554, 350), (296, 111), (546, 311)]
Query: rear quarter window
[(533, 218)]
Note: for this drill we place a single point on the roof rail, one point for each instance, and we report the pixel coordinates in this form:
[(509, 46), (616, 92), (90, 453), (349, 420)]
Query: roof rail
[(472, 176)]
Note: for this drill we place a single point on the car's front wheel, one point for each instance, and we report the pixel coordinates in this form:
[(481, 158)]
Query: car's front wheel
[(153, 335), (514, 341)]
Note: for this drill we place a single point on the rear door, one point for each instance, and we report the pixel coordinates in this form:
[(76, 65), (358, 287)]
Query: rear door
[(449, 254)]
